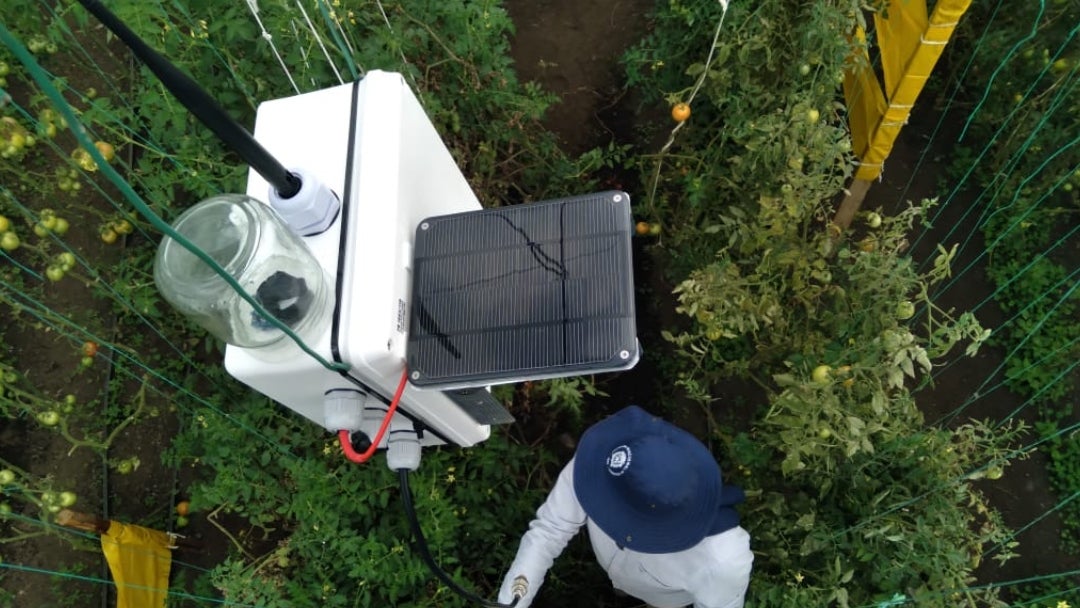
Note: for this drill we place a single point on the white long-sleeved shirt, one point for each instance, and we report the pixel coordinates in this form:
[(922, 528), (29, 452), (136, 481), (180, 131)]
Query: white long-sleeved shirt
[(712, 574)]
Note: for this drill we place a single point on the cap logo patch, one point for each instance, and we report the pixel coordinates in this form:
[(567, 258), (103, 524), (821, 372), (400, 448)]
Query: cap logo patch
[(619, 460)]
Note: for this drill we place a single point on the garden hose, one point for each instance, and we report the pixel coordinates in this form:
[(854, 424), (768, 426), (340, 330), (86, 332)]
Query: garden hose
[(422, 548)]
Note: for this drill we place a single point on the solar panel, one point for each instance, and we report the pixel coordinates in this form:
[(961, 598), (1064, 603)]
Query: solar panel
[(524, 292)]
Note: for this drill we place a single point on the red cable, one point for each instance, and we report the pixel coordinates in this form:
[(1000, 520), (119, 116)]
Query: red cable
[(343, 435)]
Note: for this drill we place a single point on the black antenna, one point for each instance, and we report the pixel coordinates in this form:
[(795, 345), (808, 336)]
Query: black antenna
[(199, 103)]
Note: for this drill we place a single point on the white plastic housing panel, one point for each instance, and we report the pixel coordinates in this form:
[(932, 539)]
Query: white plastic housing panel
[(401, 172)]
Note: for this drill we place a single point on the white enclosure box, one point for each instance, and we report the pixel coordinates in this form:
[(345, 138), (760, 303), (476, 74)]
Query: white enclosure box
[(372, 144)]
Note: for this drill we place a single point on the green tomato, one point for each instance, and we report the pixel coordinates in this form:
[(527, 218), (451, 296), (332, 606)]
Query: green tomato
[(181, 522), (824, 433), (822, 374), (7, 476), (68, 498), (905, 310), (62, 226), (50, 498), (9, 241), (67, 260), (54, 273), (5, 509), (49, 418), (5, 223)]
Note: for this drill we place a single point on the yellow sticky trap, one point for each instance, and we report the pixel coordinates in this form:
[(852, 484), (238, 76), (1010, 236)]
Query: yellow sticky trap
[(139, 559)]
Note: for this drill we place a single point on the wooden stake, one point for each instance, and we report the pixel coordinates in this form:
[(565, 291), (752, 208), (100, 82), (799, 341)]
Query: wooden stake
[(92, 523), (851, 203), (82, 521)]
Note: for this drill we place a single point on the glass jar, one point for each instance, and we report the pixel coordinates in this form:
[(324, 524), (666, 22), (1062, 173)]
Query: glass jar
[(257, 249)]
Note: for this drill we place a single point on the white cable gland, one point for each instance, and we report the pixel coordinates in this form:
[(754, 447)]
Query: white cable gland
[(343, 410), (312, 209), (403, 446)]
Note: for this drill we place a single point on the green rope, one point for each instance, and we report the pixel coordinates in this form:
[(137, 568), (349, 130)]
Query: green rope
[(30, 63), (101, 581), (948, 106), (100, 282), (1017, 452), (1033, 602), (1020, 219), (1003, 128), (1001, 65), (979, 393), (1000, 176), (899, 599), (50, 527), (121, 131), (19, 265), (1021, 272), (1057, 507), (1018, 314), (126, 356), (1062, 98), (1060, 377)]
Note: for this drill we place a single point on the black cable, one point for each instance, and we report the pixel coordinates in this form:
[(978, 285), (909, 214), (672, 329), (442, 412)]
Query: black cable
[(199, 103), (422, 548)]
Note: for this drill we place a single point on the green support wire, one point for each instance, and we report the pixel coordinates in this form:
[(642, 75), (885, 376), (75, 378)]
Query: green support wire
[(1002, 129), (1013, 162), (899, 599), (51, 528), (50, 91), (1067, 280), (948, 105), (1057, 507), (903, 504), (37, 309), (101, 581), (1002, 64), (979, 393)]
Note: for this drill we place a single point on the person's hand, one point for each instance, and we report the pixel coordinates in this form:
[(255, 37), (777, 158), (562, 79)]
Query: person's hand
[(518, 585)]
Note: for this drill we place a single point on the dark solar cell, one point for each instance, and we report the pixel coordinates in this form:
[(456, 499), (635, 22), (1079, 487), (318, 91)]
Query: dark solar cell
[(524, 292)]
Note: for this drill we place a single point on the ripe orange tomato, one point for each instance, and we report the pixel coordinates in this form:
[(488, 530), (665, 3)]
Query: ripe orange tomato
[(642, 228), (680, 112), (106, 149)]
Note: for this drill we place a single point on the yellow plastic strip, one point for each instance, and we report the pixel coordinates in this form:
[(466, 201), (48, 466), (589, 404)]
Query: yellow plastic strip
[(866, 102), (930, 42), (139, 559)]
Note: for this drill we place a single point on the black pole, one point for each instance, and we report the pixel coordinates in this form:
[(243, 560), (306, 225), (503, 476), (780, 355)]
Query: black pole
[(199, 103)]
